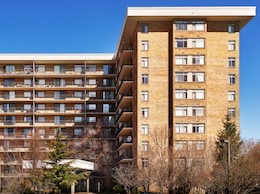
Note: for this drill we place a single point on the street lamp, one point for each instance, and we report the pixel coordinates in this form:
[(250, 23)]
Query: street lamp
[(227, 141)]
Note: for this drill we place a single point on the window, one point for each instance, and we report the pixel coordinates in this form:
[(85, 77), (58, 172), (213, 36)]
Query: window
[(145, 145), (181, 145), (198, 111), (198, 43), (92, 81), (181, 25), (27, 82), (27, 119), (145, 129), (41, 94), (181, 60), (78, 106), (198, 94), (92, 94), (41, 68), (231, 61), (145, 45), (9, 68), (181, 76), (198, 60), (231, 28), (144, 28), (232, 112), (78, 68), (78, 119), (41, 106), (181, 128), (198, 77), (78, 94), (27, 106), (92, 119), (145, 95), (198, 128), (106, 108), (181, 94), (145, 162), (41, 81), (231, 79), (27, 94), (91, 68), (145, 61), (231, 45), (145, 78), (78, 82), (92, 106), (181, 111), (78, 132), (198, 145), (41, 119), (145, 112), (231, 96), (198, 25), (181, 43)]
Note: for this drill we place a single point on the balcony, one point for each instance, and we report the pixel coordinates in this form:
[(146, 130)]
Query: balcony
[(125, 157), (55, 110), (124, 69), (15, 123), (59, 85), (22, 72), (124, 84), (65, 72), (61, 97), (15, 110), (14, 136), (15, 85), (62, 123), (125, 143), (15, 97), (125, 129), (125, 99), (125, 114)]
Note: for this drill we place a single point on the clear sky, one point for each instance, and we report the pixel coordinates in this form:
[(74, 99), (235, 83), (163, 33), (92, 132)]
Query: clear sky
[(29, 26)]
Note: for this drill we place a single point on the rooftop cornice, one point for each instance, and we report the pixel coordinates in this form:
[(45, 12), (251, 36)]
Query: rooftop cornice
[(192, 11)]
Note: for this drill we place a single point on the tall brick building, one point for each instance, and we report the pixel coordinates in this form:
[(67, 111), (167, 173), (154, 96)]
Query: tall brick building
[(174, 68)]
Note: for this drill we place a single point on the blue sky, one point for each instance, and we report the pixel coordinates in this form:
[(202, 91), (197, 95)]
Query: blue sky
[(29, 26)]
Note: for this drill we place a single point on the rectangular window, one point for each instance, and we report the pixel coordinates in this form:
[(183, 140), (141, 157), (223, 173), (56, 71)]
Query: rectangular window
[(27, 106), (198, 60), (106, 108), (181, 25), (91, 68), (145, 129), (27, 94), (9, 68), (181, 94), (145, 78), (231, 79), (181, 128), (41, 94), (145, 162), (144, 28), (231, 28), (41, 106), (198, 128), (198, 77), (181, 145), (145, 95), (92, 82), (231, 61), (27, 82), (41, 119), (198, 111), (92, 94), (198, 94), (78, 68), (232, 112), (78, 119), (181, 111), (41, 68), (27, 119), (78, 106), (78, 132), (92, 119), (92, 106), (181, 76), (145, 145), (231, 96), (181, 42), (78, 82), (145, 62), (41, 81), (231, 45), (198, 145), (145, 45), (198, 25), (145, 112), (181, 60), (198, 43), (78, 94)]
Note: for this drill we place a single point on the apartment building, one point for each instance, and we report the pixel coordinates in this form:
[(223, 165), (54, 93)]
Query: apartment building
[(174, 67)]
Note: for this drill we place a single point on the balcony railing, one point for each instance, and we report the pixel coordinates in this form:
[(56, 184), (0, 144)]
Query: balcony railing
[(61, 96), (126, 140), (17, 72), (16, 109), (53, 84), (125, 63), (123, 110), (123, 125), (127, 94), (60, 110), (16, 122), (15, 84), (59, 123), (125, 155)]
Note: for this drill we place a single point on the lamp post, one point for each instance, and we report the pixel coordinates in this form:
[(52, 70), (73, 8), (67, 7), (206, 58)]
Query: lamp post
[(227, 141)]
